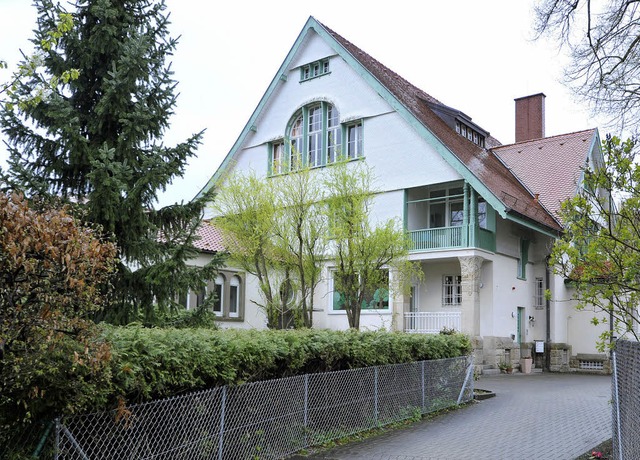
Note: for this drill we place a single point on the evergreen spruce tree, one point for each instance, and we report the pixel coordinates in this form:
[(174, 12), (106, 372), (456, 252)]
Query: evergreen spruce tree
[(96, 141)]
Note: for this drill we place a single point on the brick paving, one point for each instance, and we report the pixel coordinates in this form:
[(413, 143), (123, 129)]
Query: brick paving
[(532, 416)]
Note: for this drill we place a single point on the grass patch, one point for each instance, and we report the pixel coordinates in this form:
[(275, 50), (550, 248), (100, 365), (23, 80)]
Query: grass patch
[(374, 432)]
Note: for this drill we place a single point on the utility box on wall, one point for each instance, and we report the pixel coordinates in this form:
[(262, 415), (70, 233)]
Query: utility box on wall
[(538, 350)]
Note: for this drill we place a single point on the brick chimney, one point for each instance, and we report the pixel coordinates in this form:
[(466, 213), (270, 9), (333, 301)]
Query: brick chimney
[(530, 117)]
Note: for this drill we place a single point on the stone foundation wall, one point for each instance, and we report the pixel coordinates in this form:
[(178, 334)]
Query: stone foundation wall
[(489, 352)]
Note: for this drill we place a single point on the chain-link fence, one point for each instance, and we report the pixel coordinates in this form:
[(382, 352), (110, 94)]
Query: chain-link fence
[(626, 400), (265, 420)]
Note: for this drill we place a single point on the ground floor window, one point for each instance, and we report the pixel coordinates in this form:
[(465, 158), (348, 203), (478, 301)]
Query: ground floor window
[(228, 296), (451, 290), (539, 296), (374, 298)]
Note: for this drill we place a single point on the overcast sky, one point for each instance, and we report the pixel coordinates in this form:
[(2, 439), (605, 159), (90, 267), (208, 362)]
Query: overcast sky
[(476, 56)]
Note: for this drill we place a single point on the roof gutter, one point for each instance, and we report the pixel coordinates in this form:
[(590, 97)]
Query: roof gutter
[(518, 218)]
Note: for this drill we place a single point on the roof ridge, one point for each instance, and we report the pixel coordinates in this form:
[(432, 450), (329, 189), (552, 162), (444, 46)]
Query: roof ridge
[(416, 102), (547, 138)]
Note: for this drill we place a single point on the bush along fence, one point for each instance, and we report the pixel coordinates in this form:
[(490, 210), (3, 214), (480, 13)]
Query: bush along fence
[(626, 400), (269, 419)]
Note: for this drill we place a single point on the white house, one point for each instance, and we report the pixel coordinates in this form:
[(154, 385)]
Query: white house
[(482, 216)]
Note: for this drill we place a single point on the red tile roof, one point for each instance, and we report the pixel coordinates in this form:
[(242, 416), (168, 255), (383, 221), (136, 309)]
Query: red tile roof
[(209, 238), (551, 166), (484, 164)]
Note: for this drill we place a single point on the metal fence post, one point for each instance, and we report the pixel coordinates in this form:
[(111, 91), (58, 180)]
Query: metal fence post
[(306, 409), (306, 400), (466, 379), (223, 404), (423, 389), (616, 398), (375, 392), (56, 448)]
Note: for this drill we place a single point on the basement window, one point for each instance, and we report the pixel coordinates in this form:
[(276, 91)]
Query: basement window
[(591, 365)]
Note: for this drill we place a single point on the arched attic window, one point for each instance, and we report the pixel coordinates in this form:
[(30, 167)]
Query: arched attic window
[(314, 137)]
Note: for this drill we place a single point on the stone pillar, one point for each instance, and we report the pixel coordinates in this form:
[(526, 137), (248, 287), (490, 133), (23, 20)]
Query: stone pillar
[(470, 270)]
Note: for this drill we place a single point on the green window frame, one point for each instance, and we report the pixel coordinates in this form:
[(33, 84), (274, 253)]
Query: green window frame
[(523, 260), (314, 70), (315, 137)]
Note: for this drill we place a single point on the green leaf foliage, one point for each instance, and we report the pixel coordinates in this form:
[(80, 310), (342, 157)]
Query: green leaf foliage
[(151, 363), (96, 141), (599, 253), (54, 275)]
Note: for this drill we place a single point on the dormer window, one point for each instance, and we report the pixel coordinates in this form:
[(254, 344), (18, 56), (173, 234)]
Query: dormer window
[(314, 69), (315, 137), (470, 133)]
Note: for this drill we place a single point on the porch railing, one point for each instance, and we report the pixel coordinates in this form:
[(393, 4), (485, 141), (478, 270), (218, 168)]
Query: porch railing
[(450, 238), (436, 238), (430, 322)]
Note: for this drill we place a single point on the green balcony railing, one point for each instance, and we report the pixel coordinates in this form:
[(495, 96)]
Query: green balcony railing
[(450, 238)]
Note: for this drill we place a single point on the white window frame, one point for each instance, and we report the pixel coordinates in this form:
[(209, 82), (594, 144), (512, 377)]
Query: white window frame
[(451, 290), (315, 116), (448, 199), (354, 143), (334, 134), (278, 165), (538, 299), (219, 281), (234, 282)]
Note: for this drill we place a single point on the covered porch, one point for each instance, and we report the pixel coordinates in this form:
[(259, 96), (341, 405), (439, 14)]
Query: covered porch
[(447, 296), (449, 216)]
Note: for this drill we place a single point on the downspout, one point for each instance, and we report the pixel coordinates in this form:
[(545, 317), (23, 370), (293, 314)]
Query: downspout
[(547, 351)]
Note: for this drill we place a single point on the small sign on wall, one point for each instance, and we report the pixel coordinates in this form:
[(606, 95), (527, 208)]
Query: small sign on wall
[(539, 346)]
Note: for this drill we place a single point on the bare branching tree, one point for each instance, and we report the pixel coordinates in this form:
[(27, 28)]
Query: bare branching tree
[(603, 39)]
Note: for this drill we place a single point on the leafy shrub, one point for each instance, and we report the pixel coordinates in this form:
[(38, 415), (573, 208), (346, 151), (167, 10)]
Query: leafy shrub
[(53, 276), (150, 363)]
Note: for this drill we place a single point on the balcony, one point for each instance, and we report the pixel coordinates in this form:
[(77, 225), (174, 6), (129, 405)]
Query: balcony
[(452, 238), (427, 322)]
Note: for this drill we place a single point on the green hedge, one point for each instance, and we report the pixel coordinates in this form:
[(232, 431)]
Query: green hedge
[(141, 364), (152, 363)]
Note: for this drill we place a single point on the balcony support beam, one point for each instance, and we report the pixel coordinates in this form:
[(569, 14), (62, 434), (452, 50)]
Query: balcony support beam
[(465, 215)]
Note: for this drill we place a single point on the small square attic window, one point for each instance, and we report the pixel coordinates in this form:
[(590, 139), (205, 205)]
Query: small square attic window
[(314, 69)]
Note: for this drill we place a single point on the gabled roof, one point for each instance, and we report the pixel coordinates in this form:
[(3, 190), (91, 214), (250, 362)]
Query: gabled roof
[(209, 238), (481, 163), (551, 166), (487, 172)]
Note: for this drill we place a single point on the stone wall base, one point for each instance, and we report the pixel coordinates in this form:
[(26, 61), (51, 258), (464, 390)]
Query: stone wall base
[(489, 352)]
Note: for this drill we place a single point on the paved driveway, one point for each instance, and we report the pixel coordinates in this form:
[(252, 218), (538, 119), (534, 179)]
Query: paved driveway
[(532, 416)]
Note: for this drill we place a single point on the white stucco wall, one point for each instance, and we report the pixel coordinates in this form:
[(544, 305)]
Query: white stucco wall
[(402, 159), (399, 156), (572, 326)]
